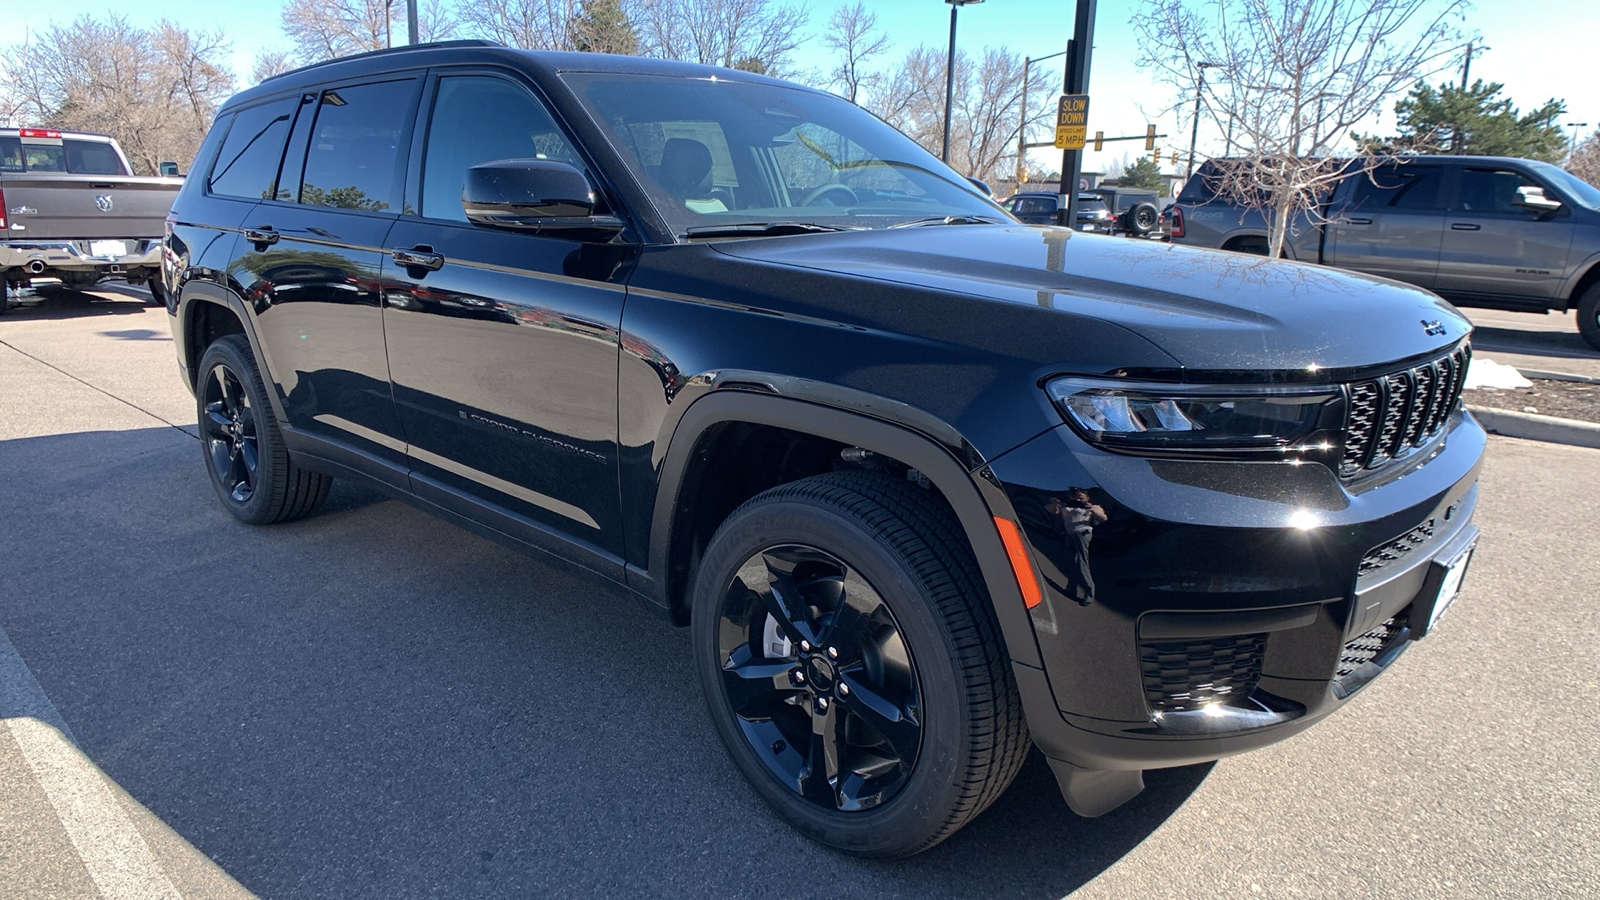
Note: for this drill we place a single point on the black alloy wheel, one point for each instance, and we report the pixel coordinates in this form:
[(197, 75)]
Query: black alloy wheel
[(245, 456), (852, 664), (819, 677), (229, 429)]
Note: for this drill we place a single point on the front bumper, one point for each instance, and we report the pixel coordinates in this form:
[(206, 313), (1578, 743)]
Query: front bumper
[(1216, 607), (42, 259)]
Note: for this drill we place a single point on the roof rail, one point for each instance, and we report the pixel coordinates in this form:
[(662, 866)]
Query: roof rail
[(387, 50)]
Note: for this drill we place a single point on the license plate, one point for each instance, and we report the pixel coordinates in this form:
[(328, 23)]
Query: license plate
[(1449, 586), (108, 248), (1088, 228)]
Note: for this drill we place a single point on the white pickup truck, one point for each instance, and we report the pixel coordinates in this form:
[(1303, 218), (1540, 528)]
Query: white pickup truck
[(70, 209)]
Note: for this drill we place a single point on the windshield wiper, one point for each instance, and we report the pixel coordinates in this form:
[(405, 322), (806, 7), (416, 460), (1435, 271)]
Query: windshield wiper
[(746, 228), (950, 220)]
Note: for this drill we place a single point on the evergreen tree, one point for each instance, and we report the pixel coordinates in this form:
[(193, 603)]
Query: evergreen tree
[(1473, 120), (602, 26), (1142, 174)]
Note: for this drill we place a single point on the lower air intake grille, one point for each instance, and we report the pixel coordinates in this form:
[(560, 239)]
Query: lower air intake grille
[(1186, 675), (1381, 557), (1368, 647)]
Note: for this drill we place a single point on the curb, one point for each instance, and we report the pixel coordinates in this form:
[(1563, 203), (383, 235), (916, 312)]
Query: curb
[(1534, 427), (1540, 374)]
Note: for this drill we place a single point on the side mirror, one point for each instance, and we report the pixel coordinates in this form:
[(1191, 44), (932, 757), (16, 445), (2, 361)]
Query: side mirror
[(536, 195), (982, 186), (1533, 198), (167, 167)]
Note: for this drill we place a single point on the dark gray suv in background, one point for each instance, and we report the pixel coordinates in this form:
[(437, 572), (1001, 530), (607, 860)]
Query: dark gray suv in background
[(1489, 231), (929, 487)]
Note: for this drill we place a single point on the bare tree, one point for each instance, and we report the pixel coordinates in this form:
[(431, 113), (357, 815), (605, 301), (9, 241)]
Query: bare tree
[(270, 63), (529, 24), (723, 32), (853, 35), (155, 90), (985, 116), (1585, 159), (1294, 76), (326, 29)]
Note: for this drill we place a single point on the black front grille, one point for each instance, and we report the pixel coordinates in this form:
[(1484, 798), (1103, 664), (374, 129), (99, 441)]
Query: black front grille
[(1187, 675), (1379, 558), (1391, 416), (1368, 647)]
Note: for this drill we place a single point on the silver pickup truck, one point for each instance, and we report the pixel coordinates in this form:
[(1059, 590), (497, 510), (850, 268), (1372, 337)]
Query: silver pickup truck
[(1477, 230), (71, 210)]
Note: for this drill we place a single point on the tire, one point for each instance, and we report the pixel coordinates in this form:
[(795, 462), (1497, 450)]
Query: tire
[(1589, 316), (158, 292), (5, 294), (901, 667), (241, 444), (1141, 218)]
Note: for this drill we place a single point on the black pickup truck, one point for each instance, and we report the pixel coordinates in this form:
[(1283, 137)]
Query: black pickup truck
[(1489, 231), (929, 487)]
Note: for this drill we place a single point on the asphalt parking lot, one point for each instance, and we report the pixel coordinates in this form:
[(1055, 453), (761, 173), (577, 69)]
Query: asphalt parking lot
[(372, 703)]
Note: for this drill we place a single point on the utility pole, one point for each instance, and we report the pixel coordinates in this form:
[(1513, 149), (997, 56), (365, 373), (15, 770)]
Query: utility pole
[(1194, 129), (1455, 130), (413, 31), (1079, 50)]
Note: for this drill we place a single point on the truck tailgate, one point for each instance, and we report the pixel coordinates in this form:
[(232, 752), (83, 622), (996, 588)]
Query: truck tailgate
[(86, 207)]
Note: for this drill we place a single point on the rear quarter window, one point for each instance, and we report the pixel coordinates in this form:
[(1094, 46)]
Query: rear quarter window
[(248, 161), (92, 158)]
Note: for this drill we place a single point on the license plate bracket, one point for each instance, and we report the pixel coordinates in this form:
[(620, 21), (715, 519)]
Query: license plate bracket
[(1443, 586)]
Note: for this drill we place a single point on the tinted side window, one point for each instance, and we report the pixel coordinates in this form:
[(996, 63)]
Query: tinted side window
[(1397, 187), (1494, 191), (92, 158), (1035, 206), (355, 146), (476, 119), (250, 155), (10, 154)]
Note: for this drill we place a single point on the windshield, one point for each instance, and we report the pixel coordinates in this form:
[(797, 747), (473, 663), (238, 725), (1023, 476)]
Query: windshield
[(715, 153), (1570, 184)]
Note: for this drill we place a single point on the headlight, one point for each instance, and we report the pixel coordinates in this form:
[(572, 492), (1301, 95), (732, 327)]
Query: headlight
[(1242, 421)]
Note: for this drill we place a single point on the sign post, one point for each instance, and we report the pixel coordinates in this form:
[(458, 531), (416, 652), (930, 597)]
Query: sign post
[(1077, 85)]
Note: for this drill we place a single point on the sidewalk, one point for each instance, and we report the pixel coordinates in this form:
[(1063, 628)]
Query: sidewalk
[(1539, 346)]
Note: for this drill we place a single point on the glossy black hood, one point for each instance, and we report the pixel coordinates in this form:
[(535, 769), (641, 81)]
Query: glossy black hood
[(1210, 310)]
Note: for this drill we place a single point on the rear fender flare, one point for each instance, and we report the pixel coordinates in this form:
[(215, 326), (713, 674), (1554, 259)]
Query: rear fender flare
[(208, 292)]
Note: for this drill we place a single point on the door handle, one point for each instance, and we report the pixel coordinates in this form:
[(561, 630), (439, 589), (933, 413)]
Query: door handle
[(262, 236), (419, 257), (1359, 221), (1464, 226)]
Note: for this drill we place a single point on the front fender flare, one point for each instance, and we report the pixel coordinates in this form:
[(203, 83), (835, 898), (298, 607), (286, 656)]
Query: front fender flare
[(974, 499)]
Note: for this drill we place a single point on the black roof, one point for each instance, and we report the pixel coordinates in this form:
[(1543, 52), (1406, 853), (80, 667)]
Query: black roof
[(545, 62)]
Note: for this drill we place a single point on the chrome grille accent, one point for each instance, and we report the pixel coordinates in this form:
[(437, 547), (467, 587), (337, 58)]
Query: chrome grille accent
[(1389, 417)]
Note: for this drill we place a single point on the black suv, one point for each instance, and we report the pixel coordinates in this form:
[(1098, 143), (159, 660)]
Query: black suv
[(1043, 208), (928, 486)]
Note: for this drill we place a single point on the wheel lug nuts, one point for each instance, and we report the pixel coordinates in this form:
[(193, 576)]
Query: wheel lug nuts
[(822, 704), (805, 646), (798, 676), (844, 689), (833, 652)]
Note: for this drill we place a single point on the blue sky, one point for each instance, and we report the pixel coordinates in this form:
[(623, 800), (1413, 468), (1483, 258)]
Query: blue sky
[(1537, 55)]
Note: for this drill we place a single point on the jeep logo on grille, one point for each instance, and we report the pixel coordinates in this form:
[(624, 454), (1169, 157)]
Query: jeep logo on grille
[(103, 202), (1434, 328)]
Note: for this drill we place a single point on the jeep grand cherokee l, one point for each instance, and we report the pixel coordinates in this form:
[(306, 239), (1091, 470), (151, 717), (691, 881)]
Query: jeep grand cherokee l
[(926, 485)]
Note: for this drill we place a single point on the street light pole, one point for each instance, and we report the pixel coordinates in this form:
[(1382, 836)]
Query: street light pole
[(1022, 125), (1194, 129), (950, 76), (1571, 145)]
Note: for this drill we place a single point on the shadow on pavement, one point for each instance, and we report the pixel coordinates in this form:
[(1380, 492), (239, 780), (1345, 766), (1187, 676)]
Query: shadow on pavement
[(373, 703), (1555, 344), (56, 302)]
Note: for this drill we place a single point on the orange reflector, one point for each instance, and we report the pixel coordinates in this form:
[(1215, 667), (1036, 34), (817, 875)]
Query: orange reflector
[(1012, 538)]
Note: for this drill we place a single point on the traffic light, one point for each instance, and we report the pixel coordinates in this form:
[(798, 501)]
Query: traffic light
[(1099, 139), (1155, 155), (1174, 157), (1149, 137)]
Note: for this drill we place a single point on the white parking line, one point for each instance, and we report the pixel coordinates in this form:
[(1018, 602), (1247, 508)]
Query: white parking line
[(114, 854)]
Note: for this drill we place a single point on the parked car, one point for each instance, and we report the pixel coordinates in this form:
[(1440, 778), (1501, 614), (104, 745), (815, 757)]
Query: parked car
[(1490, 231), (1041, 208), (1136, 211), (927, 488), (71, 210)]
